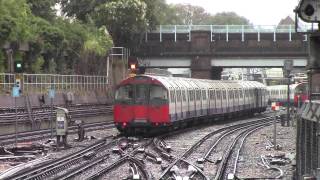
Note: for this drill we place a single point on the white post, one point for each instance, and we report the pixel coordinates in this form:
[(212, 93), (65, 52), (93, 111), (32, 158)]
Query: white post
[(160, 33), (189, 33), (227, 33), (274, 34), (258, 33), (305, 37), (211, 30), (175, 33), (290, 33), (242, 33)]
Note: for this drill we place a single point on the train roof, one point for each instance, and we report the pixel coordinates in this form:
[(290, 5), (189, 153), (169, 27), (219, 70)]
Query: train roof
[(292, 86), (191, 83)]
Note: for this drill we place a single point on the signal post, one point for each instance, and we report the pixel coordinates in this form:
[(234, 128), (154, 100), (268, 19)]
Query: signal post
[(275, 107)]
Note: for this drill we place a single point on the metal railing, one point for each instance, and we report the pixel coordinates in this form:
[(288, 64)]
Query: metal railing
[(229, 29), (42, 82), (6, 82)]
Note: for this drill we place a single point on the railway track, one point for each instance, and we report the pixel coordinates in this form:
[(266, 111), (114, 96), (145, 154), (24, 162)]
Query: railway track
[(43, 114), (186, 161), (48, 168), (100, 163), (46, 133)]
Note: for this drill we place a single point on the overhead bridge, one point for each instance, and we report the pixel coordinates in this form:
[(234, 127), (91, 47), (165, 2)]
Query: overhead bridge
[(206, 48)]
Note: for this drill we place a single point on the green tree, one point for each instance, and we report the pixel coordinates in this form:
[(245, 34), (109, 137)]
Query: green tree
[(2, 67), (37, 65), (123, 18), (43, 8), (80, 9), (228, 18)]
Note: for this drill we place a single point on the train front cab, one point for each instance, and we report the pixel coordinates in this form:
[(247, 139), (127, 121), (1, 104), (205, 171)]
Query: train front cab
[(140, 102)]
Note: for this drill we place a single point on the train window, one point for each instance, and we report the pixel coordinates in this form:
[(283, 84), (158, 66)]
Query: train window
[(124, 94), (179, 95), (198, 95), (171, 96), (211, 94), (218, 95), (241, 94), (204, 95), (184, 96), (191, 97), (141, 94), (158, 95)]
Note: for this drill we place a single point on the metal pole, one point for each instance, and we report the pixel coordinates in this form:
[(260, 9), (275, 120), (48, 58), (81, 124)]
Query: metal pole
[(275, 130), (288, 102), (50, 117), (16, 124)]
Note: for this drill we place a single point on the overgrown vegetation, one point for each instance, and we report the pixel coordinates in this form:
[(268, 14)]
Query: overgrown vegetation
[(50, 39), (79, 40)]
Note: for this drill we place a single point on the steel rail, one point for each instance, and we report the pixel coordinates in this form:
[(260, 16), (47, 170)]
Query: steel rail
[(198, 143), (127, 157), (227, 155), (46, 133), (45, 169)]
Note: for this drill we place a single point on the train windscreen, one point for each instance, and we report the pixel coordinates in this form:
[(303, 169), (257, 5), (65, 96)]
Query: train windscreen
[(125, 94), (141, 94)]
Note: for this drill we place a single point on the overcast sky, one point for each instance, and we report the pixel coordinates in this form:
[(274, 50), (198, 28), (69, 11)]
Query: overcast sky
[(259, 12)]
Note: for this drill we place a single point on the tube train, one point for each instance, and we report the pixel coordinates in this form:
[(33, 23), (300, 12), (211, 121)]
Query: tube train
[(146, 103), (298, 93)]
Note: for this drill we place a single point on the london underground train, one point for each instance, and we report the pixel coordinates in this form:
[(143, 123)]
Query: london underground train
[(147, 103), (298, 93)]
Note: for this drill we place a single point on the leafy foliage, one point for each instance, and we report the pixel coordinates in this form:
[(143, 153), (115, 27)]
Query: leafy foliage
[(43, 8), (79, 41), (53, 42), (123, 17), (37, 65)]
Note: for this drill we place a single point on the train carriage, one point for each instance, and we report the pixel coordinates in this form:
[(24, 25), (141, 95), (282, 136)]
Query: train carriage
[(297, 95), (147, 102)]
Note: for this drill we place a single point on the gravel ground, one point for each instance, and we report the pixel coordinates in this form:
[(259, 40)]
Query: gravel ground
[(248, 166), (255, 146), (74, 146)]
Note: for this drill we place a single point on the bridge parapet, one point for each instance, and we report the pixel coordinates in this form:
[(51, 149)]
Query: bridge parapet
[(198, 43)]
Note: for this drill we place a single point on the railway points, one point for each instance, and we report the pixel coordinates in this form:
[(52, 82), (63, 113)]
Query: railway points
[(177, 101)]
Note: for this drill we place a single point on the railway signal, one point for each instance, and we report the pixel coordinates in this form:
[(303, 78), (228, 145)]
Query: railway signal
[(15, 94), (18, 67), (275, 106)]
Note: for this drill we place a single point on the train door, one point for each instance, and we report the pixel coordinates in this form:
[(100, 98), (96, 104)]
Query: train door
[(193, 101), (158, 104), (198, 102), (141, 98), (225, 101), (173, 105), (256, 97), (184, 104), (218, 101), (214, 101), (179, 103), (204, 101), (189, 109), (236, 99), (241, 99)]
